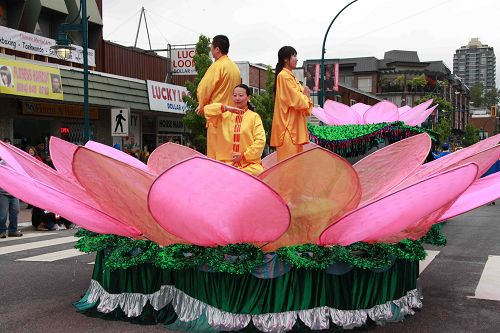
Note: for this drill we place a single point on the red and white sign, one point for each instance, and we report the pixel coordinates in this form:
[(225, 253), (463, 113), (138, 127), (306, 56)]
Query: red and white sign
[(166, 97), (182, 62)]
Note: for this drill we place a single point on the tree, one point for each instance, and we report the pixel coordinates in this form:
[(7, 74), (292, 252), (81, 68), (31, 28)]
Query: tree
[(443, 128), (194, 122), (264, 103), (476, 95), (490, 98), (471, 135), (443, 105)]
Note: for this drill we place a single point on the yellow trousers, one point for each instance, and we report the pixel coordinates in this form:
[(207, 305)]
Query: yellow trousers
[(287, 148)]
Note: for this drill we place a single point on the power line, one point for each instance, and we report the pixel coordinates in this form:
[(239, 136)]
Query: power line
[(120, 25), (178, 24), (156, 26)]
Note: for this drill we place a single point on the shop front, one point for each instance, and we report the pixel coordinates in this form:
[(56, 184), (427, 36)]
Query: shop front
[(167, 102)]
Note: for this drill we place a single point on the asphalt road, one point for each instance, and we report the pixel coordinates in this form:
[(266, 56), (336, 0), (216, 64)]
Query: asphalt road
[(37, 296)]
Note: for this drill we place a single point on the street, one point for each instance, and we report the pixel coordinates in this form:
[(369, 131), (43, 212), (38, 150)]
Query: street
[(42, 276)]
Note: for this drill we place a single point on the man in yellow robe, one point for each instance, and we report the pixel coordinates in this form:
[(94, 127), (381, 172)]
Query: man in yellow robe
[(217, 85), (292, 105), (242, 138)]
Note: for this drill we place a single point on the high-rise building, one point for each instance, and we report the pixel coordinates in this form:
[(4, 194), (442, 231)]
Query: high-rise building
[(475, 63)]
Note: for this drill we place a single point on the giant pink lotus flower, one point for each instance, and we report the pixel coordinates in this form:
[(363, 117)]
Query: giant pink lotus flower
[(181, 196), (335, 113)]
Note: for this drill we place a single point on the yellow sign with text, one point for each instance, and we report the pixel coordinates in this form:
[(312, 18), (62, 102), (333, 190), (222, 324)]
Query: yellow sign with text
[(25, 79)]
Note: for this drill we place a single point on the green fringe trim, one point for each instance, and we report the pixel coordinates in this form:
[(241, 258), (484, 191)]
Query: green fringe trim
[(434, 236), (123, 252)]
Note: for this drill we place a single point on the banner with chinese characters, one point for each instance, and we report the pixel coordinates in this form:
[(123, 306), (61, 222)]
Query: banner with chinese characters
[(34, 44), (26, 79)]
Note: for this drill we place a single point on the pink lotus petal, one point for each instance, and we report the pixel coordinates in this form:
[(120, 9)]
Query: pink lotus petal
[(121, 190), (395, 212), (169, 154), (61, 153), (18, 159), (210, 203), (387, 167), (53, 200), (420, 118), (271, 159), (320, 114), (319, 188), (116, 154), (340, 114), (415, 111), (25, 164), (360, 108), (403, 110), (483, 159), (481, 192), (418, 229), (382, 112)]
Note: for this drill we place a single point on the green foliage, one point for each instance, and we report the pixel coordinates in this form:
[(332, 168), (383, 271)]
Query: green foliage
[(443, 105), (443, 128), (418, 81), (490, 98), (194, 122), (264, 103), (476, 95), (471, 135), (399, 80)]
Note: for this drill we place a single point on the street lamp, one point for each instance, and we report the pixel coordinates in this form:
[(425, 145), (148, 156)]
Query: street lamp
[(63, 50), (323, 51)]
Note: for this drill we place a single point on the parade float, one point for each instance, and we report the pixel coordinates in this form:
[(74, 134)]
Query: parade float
[(313, 243)]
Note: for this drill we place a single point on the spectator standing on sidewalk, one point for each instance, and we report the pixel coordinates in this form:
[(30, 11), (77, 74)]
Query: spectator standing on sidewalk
[(9, 207)]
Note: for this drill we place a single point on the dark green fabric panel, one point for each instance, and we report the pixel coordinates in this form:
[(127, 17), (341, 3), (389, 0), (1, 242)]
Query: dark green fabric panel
[(246, 294)]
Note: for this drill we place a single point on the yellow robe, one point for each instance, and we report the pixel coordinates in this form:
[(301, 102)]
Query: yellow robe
[(252, 137), (291, 107), (217, 86)]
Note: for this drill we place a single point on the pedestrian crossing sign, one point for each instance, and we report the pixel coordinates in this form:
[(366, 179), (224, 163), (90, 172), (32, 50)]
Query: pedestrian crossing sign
[(119, 122)]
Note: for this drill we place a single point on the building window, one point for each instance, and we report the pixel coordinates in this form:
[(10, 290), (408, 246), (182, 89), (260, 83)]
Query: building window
[(365, 84), (347, 80), (352, 102), (338, 98)]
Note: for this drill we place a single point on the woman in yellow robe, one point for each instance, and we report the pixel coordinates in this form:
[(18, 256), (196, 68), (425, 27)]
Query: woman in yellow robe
[(292, 104), (241, 138)]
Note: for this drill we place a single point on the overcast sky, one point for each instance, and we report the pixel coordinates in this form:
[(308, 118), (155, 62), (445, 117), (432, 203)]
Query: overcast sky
[(257, 28)]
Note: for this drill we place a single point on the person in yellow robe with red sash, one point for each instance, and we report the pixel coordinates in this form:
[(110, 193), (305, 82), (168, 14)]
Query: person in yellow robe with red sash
[(242, 138), (217, 85), (292, 104)]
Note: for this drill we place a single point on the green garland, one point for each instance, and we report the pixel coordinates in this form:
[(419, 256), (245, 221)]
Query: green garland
[(308, 256), (245, 258), (129, 253), (434, 236), (406, 249), (366, 256), (350, 132), (92, 242), (180, 256), (84, 232)]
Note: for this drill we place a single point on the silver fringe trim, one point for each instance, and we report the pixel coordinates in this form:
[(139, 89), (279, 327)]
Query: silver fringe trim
[(189, 309)]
